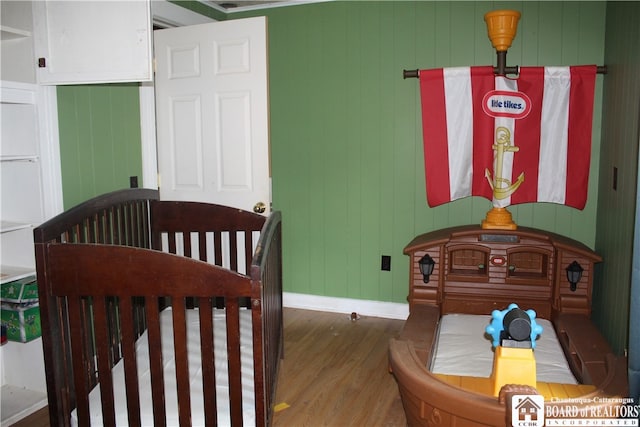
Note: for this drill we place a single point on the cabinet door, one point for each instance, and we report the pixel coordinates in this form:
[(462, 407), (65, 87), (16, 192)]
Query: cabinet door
[(92, 41)]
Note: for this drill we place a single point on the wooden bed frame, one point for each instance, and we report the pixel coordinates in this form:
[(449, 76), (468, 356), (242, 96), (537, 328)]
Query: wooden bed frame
[(104, 276), (475, 272)]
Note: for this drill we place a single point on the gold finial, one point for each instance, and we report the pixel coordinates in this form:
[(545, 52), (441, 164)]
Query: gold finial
[(502, 26)]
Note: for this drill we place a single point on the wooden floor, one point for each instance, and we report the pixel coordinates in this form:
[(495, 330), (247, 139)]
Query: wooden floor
[(334, 373)]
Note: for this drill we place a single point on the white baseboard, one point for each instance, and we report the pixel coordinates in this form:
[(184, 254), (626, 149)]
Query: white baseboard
[(390, 310)]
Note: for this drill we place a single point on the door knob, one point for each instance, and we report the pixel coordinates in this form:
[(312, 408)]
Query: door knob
[(259, 207)]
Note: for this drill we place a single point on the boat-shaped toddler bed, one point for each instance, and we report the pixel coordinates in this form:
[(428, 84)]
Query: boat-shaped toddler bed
[(444, 359)]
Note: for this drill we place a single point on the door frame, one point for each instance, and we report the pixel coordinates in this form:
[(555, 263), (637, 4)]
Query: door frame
[(167, 15)]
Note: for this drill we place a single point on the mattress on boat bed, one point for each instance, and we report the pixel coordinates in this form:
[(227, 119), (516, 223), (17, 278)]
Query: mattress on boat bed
[(195, 373), (463, 348)]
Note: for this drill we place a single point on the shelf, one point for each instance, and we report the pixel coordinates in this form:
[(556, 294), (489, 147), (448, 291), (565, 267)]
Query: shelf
[(9, 273), (6, 226), (9, 33), (19, 402), (19, 158)]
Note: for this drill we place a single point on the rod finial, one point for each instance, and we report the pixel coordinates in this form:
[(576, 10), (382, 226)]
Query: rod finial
[(502, 26)]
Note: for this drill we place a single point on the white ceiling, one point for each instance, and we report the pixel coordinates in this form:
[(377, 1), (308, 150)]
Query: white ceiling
[(242, 5)]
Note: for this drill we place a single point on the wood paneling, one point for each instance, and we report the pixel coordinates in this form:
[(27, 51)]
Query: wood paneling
[(99, 139), (616, 207)]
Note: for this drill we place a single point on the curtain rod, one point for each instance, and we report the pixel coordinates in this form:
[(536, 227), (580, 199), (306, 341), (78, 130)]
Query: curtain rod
[(501, 69), (601, 69)]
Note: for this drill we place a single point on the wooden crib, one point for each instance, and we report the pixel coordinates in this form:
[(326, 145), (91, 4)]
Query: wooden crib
[(110, 268)]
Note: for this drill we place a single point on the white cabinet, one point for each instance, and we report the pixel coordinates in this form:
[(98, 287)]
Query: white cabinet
[(104, 41)]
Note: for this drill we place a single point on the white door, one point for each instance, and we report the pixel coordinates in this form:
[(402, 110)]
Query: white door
[(212, 113)]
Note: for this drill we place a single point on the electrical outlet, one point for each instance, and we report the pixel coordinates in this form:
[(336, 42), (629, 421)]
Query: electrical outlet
[(385, 264), (133, 182)]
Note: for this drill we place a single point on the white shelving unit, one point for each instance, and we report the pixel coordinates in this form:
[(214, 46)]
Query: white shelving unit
[(23, 202), (22, 365), (20, 169)]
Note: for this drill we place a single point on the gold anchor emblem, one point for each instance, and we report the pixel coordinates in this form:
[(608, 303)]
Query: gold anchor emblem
[(502, 187)]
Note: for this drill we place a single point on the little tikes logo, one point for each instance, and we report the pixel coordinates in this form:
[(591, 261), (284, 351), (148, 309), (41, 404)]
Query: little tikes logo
[(501, 103)]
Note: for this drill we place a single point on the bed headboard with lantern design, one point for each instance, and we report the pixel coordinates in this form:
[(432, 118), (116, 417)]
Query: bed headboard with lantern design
[(476, 270)]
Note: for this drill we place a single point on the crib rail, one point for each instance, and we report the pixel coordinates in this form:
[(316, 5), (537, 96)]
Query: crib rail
[(266, 272), (117, 218), (150, 275), (199, 230)]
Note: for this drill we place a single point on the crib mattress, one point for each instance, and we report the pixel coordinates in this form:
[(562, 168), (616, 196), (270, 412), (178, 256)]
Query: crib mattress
[(464, 349), (195, 372)]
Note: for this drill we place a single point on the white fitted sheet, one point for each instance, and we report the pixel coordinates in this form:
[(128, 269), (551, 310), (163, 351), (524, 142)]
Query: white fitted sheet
[(195, 372), (463, 348)]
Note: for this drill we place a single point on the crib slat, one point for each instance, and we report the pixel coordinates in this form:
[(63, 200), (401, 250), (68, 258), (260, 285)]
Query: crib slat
[(156, 364), (114, 334), (217, 247), (217, 252), (182, 361), (208, 364), (101, 328), (130, 365), (259, 370), (115, 224), (76, 322), (108, 226), (122, 233), (233, 250), (135, 229), (130, 221), (233, 353), (91, 228), (63, 347), (172, 242), (87, 335), (186, 244), (248, 250), (202, 246), (98, 225)]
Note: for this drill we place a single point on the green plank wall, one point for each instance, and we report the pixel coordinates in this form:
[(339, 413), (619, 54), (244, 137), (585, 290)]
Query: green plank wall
[(620, 134), (346, 152), (99, 139), (346, 147)]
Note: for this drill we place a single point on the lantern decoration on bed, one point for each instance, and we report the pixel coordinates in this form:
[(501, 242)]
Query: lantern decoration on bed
[(426, 264), (574, 274)]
